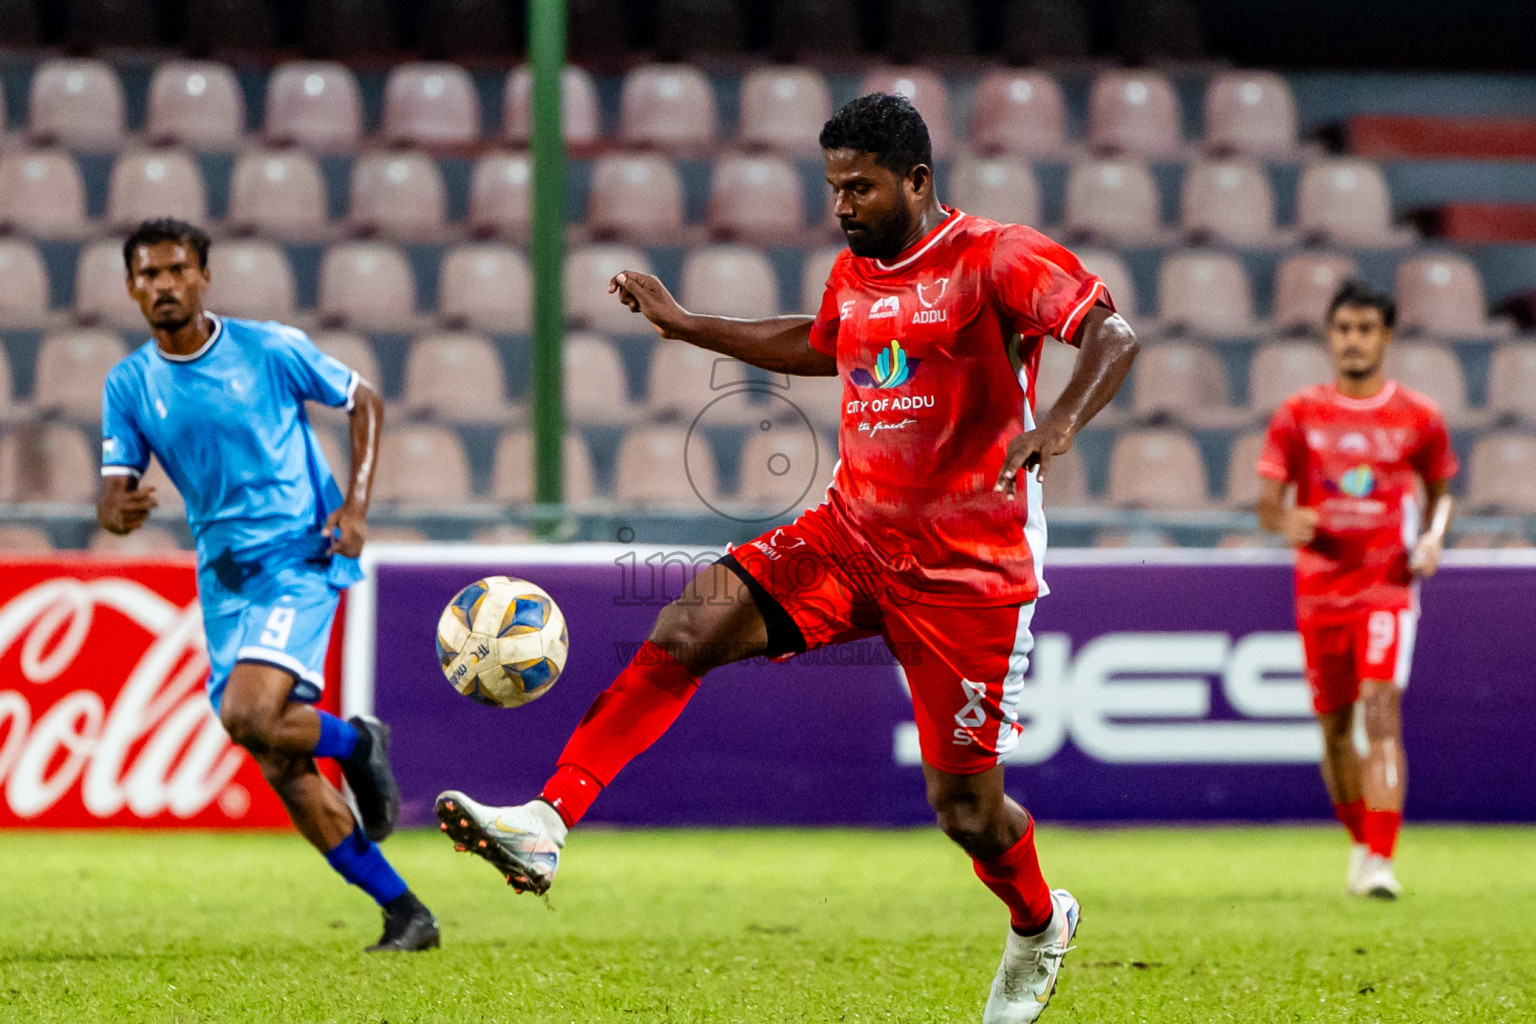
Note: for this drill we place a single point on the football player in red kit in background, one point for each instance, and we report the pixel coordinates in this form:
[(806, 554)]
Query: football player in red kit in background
[(1355, 450), (930, 536)]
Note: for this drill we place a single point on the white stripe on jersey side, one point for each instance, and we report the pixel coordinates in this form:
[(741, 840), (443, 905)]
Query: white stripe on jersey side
[(1034, 513), (1410, 531), (954, 219), (1013, 682), (1407, 633), (352, 383), (120, 471)]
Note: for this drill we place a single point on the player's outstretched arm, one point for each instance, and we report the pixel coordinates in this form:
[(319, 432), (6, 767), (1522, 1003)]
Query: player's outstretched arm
[(122, 507), (1426, 553), (1297, 525), (781, 343), (347, 526), (1107, 347)]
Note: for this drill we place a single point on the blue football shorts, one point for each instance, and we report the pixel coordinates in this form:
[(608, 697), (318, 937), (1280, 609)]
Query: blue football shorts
[(284, 621)]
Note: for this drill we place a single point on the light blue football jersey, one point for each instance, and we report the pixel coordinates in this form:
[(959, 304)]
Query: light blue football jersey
[(228, 425)]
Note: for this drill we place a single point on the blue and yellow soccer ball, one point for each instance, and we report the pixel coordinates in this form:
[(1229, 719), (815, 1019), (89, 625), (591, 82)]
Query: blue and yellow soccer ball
[(502, 641)]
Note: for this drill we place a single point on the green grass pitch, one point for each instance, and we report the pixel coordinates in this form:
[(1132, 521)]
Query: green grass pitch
[(1197, 925)]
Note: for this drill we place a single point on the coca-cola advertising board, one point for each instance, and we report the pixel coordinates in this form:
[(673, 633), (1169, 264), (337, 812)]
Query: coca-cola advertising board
[(104, 720)]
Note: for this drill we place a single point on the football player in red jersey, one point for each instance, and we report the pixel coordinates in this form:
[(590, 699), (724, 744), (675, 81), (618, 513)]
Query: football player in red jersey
[(931, 534), (1355, 451)]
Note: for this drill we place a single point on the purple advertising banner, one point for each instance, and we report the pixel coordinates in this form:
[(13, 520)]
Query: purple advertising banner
[(1164, 686)]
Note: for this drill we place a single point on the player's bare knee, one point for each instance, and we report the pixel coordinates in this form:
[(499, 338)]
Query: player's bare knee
[(681, 631), (248, 727), (281, 771), (1383, 711)]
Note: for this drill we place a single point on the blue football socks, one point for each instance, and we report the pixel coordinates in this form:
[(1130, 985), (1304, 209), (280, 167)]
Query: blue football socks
[(360, 861), (338, 738)]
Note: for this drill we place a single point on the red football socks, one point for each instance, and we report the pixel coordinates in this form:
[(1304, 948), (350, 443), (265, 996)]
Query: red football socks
[(1015, 878), (1379, 831), (1349, 816), (626, 718)]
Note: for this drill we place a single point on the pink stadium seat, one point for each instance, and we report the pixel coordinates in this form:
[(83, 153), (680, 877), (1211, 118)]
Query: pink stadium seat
[(593, 380), (1280, 369), (367, 285), (1250, 112), (25, 540), (422, 466), (1158, 468), (71, 371), (314, 104), (580, 118), (1066, 482), (783, 109), (1135, 113), (1112, 201), (162, 183), (48, 462), (1435, 371), (101, 288), (1345, 202), (1056, 363), (486, 287), (1231, 202), (1111, 269), (813, 277), (512, 475), (1442, 294), (755, 199), (820, 398), (784, 468), (636, 196), (399, 195), (438, 369), (684, 380), (1242, 476), (431, 105), (669, 107), (23, 284), (41, 194), (9, 410), (499, 194), (277, 193), (730, 280), (1000, 188), (1020, 112), (78, 103), (587, 302), (926, 91), (251, 280), (1512, 383), (1184, 382), (353, 351), (1304, 285), (658, 467), (1501, 474), (196, 104), (1206, 294), (146, 540)]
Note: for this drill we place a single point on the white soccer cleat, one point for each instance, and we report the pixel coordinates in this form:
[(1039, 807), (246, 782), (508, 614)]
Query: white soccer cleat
[(1358, 852), (1376, 880), (523, 842), (1027, 976)]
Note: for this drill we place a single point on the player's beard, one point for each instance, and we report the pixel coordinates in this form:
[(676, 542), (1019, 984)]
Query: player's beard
[(169, 318), (881, 239)]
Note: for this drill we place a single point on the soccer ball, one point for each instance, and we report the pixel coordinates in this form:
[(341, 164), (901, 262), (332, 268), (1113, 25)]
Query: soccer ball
[(502, 641)]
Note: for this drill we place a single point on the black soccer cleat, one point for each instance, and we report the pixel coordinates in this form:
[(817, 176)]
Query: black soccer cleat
[(409, 927), (371, 779)]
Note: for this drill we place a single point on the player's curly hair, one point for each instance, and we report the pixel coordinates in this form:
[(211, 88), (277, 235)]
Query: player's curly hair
[(887, 126), (167, 229), (1355, 292)]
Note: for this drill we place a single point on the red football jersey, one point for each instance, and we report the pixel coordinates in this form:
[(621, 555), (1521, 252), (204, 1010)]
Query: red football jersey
[(1355, 461), (938, 352)]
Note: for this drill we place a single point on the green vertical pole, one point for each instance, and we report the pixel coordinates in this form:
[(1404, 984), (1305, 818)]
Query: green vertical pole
[(546, 53)]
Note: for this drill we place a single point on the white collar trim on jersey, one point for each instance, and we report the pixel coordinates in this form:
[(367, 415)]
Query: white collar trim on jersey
[(1376, 401), (955, 217), (218, 331)]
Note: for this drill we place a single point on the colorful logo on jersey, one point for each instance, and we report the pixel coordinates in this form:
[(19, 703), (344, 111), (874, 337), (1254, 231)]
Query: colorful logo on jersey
[(1358, 482), (892, 369)]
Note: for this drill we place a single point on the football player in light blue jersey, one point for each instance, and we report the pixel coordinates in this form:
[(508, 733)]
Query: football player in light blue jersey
[(220, 403)]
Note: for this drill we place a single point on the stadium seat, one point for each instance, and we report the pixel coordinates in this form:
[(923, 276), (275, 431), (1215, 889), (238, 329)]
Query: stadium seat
[(1056, 363), (669, 107), (173, 507), (355, 353), (366, 285), (512, 475), (314, 104), (1111, 269), (485, 287), (1250, 112), (1206, 294), (278, 193), (755, 199), (1435, 371), (1182, 382), (23, 284), (1282, 368), (422, 466), (1111, 201), (814, 272), (593, 380), (162, 183), (1159, 468), (820, 398), (1000, 188), (1242, 473), (730, 280), (587, 302), (580, 117), (71, 371), (783, 109), (430, 105), (1501, 474), (77, 103), (1019, 112), (1441, 294), (1066, 482), (146, 540), (456, 378), (24, 540), (250, 279), (927, 92), (41, 194), (665, 468), (10, 409), (48, 462), (1512, 384), (685, 380), (1229, 202), (1304, 285), (101, 287), (499, 196), (784, 468), (196, 104), (398, 195), (1134, 113), (1342, 201), (635, 197)]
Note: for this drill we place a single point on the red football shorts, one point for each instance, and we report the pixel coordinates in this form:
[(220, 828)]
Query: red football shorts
[(964, 666), (1343, 651)]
